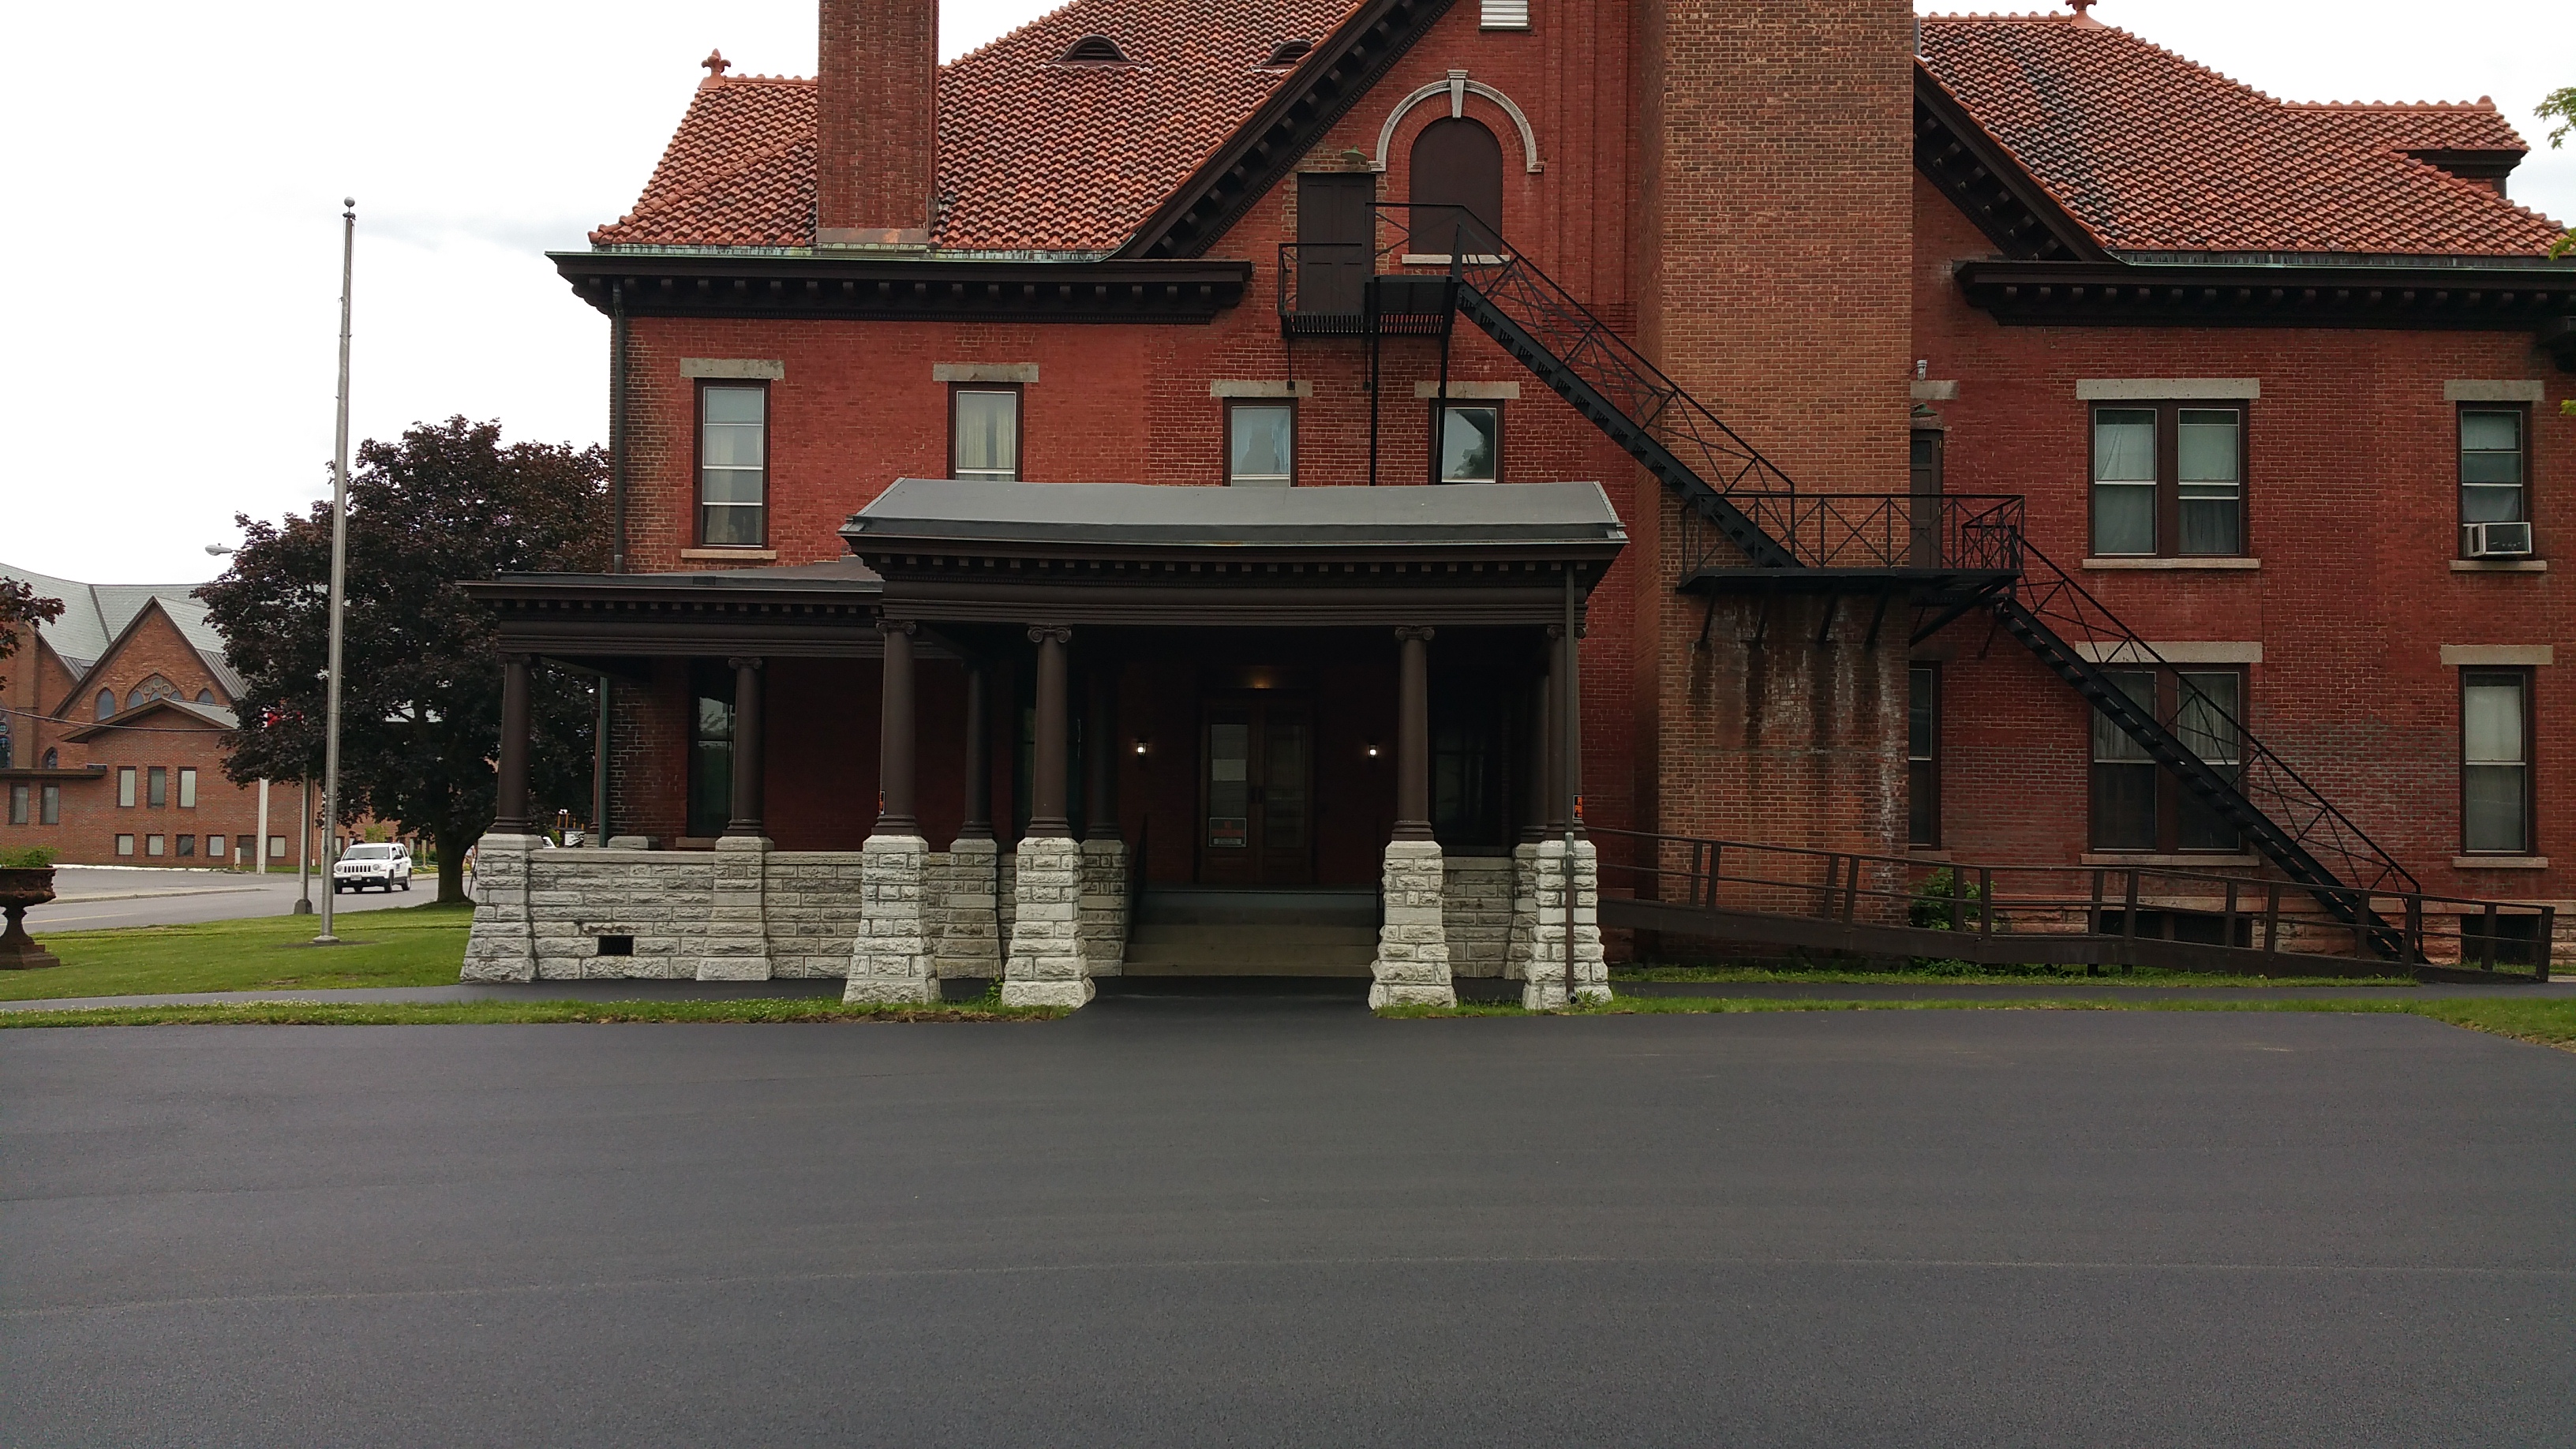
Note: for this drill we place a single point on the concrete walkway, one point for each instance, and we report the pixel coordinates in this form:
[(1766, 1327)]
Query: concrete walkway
[(1486, 989)]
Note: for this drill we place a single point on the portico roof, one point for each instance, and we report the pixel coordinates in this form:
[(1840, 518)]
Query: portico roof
[(1052, 518), (1144, 554)]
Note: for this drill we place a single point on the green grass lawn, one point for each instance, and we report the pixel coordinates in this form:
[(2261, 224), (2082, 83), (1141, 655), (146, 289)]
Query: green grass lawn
[(406, 946)]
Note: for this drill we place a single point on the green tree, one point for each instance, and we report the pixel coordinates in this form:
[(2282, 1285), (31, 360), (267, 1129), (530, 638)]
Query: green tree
[(420, 713), (20, 607)]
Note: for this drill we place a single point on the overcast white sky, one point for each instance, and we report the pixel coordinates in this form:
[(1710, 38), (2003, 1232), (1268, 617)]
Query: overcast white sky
[(179, 169)]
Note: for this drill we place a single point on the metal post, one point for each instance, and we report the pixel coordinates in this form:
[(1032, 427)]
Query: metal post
[(339, 569), (303, 851), (263, 827)]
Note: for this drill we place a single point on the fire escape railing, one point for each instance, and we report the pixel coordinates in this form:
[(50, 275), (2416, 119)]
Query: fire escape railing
[(1738, 499)]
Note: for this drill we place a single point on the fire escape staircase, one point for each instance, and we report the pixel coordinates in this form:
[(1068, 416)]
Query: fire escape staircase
[(1951, 554)]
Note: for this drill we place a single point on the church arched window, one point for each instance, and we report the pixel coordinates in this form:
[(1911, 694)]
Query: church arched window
[(1457, 182)]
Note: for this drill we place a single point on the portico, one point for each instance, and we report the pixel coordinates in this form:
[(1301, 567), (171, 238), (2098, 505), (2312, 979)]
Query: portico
[(1200, 700)]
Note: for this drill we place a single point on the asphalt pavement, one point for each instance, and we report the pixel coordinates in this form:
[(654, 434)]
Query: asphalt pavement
[(1277, 1220), (94, 897)]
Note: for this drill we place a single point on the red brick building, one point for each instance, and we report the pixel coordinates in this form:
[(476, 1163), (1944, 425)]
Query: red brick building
[(2026, 446), (112, 744)]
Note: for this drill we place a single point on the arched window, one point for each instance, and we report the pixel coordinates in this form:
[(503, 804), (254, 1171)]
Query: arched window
[(1457, 182), (153, 687), (106, 703), (53, 759), (205, 696), (7, 758)]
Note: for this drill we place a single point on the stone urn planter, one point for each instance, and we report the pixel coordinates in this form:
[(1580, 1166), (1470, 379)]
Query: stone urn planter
[(21, 887)]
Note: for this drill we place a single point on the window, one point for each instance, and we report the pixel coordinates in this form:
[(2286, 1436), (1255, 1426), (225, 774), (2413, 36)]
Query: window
[(187, 789), (277, 847), (2136, 805), (711, 751), (52, 805), (153, 687), (733, 464), (152, 845), (2169, 480), (156, 786), (1261, 444), (1456, 189), (19, 796), (214, 847), (53, 760), (2491, 479), (2495, 761), (125, 786), (8, 755), (106, 703), (188, 846), (125, 845), (1923, 755), (1467, 443), (205, 696), (984, 433)]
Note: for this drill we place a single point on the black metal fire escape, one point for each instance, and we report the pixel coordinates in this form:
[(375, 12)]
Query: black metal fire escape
[(1951, 554)]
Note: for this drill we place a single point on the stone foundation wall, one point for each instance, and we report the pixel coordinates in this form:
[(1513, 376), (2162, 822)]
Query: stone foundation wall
[(1412, 966), (1476, 914)]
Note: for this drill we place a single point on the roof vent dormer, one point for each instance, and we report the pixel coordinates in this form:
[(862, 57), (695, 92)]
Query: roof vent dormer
[(1285, 54), (1094, 50)]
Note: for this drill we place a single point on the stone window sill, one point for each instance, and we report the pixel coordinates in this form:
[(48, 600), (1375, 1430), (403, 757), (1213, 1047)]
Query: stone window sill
[(2190, 564), (2500, 862), (2177, 862), (732, 555), (2499, 566)]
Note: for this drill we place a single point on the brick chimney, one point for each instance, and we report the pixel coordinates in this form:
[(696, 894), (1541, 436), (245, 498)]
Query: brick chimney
[(877, 124)]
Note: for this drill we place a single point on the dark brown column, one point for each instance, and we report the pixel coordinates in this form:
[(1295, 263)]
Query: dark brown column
[(1413, 735), (1054, 718), (1100, 753), (510, 805), (978, 824), (747, 787), (1538, 771), (895, 815)]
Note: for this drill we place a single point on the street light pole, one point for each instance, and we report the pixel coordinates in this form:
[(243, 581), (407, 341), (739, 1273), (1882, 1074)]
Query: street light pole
[(339, 582)]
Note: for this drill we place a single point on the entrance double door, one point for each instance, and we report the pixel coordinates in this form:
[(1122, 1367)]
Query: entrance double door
[(1257, 790)]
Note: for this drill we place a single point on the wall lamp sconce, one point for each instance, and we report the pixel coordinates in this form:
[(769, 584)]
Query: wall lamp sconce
[(1144, 747), (1371, 749)]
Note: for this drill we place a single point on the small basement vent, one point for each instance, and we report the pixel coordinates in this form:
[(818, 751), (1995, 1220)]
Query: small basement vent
[(617, 945), (1287, 53), (1505, 15), (1094, 50)]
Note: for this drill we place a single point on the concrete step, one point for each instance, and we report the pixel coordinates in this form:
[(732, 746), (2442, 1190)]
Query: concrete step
[(1226, 905)]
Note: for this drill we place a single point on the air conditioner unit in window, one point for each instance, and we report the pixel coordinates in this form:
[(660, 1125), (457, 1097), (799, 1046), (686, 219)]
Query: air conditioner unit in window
[(2495, 540)]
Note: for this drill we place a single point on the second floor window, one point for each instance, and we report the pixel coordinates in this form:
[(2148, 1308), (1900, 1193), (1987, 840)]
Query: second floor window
[(733, 465), (2168, 480), (2491, 476), (1468, 443), (1261, 444), (984, 433), (125, 785), (187, 789)]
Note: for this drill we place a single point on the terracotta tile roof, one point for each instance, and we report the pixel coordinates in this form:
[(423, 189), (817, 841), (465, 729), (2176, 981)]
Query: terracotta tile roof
[(1033, 154), (2155, 154)]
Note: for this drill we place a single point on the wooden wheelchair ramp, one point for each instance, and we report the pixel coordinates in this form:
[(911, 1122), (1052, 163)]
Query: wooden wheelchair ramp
[(1844, 903)]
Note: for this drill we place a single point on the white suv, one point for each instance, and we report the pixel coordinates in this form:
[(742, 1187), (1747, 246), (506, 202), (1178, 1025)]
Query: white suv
[(361, 866)]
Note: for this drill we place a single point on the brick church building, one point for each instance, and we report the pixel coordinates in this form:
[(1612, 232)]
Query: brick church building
[(1142, 496), (112, 725)]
